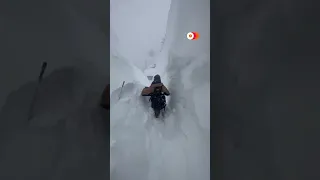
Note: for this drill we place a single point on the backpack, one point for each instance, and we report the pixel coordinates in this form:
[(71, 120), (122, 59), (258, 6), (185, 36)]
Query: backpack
[(158, 99)]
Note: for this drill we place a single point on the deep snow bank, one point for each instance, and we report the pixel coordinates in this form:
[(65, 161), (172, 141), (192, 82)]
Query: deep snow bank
[(137, 28), (122, 70), (144, 149), (189, 72), (191, 57)]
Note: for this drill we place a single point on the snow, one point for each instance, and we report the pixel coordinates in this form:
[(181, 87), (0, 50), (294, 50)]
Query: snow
[(143, 148), (128, 20), (67, 138)]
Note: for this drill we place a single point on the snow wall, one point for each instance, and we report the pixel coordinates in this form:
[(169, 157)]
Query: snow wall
[(141, 148)]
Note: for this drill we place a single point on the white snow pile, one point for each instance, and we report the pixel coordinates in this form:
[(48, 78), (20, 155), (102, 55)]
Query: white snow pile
[(143, 148)]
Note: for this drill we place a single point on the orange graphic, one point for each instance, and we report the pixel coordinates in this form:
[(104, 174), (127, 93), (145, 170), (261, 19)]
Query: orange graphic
[(193, 35)]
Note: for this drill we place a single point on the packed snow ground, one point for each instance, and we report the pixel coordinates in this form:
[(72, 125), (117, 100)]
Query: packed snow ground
[(143, 148)]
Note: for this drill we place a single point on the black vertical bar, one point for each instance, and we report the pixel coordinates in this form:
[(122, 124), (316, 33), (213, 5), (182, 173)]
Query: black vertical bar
[(43, 68)]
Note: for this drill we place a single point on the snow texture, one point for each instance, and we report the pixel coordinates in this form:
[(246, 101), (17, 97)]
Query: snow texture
[(176, 147)]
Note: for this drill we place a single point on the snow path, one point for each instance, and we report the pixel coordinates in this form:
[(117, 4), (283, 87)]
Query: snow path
[(142, 147), (146, 148)]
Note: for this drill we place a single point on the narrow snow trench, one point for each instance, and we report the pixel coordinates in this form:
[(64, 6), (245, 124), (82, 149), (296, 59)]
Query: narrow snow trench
[(178, 148)]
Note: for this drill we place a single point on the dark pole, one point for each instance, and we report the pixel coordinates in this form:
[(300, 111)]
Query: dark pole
[(43, 68)]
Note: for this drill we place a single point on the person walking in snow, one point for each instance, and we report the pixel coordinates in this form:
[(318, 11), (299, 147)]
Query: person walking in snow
[(157, 92)]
